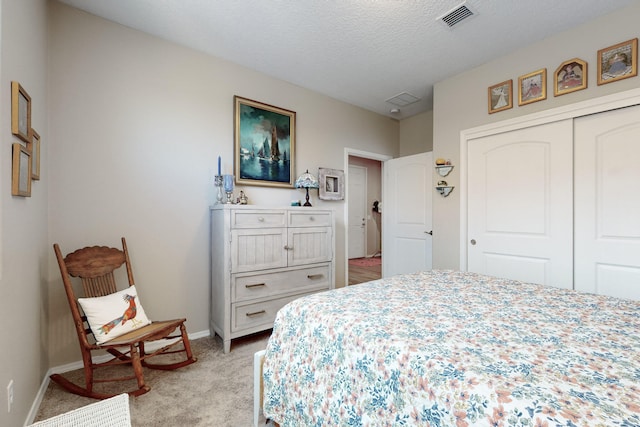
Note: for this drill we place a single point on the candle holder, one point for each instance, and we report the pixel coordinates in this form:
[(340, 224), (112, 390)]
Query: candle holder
[(228, 188), (217, 181)]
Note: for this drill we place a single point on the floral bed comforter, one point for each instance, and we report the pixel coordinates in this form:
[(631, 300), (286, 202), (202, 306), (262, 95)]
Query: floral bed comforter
[(444, 348)]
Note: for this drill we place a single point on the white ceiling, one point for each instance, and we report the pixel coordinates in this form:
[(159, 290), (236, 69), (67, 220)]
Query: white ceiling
[(363, 52)]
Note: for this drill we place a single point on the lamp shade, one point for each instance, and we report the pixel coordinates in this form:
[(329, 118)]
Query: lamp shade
[(306, 181)]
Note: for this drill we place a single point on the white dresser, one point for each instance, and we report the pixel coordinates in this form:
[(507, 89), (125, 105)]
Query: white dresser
[(263, 258)]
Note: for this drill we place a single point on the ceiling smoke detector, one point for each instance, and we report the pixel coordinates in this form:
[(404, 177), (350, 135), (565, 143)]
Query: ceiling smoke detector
[(457, 15)]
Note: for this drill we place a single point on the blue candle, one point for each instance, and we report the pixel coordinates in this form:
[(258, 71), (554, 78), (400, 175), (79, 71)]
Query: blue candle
[(218, 165)]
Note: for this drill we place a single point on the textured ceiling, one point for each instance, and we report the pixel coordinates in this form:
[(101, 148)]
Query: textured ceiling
[(363, 52)]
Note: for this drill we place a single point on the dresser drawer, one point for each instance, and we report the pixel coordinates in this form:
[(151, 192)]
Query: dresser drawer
[(260, 313), (246, 287), (309, 219), (258, 219)]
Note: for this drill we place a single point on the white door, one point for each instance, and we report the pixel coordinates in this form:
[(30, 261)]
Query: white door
[(520, 207), (607, 198), (357, 193), (406, 214)]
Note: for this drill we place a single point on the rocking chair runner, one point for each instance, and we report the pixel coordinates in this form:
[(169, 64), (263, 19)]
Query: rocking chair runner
[(95, 266)]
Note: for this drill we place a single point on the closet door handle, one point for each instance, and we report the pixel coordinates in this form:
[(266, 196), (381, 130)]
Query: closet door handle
[(288, 248)]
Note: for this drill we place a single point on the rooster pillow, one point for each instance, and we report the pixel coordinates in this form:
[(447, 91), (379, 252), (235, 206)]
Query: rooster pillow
[(113, 315)]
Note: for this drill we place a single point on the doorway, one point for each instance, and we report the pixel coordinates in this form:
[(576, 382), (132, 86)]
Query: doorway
[(363, 224)]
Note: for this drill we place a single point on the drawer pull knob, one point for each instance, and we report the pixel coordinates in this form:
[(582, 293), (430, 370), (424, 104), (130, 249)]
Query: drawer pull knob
[(261, 219), (256, 313), (315, 276), (288, 248), (311, 218), (255, 285)]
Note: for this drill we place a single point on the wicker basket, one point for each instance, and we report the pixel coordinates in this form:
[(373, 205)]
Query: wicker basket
[(112, 412)]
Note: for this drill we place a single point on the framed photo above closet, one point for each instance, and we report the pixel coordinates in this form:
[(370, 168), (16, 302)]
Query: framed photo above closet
[(570, 76), (500, 96), (532, 87), (618, 62)]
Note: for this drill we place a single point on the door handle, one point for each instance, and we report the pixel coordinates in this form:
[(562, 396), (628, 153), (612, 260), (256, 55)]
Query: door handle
[(430, 232), (473, 242)]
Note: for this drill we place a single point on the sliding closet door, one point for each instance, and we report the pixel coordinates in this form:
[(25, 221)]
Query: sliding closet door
[(520, 205), (607, 203)]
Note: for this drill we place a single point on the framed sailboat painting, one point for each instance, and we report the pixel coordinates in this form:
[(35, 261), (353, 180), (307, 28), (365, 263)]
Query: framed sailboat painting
[(264, 144)]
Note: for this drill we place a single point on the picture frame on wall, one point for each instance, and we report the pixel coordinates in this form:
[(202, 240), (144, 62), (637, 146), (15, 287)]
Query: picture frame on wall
[(34, 148), (532, 87), (500, 96), (570, 76), (264, 144), (21, 171), (618, 62), (20, 112), (331, 184)]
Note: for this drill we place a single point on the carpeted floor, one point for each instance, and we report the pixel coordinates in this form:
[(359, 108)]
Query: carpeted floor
[(217, 390), (366, 262)]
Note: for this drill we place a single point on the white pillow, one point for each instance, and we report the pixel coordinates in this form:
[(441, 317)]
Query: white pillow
[(113, 315)]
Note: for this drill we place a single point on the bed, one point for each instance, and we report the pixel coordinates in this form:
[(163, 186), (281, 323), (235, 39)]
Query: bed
[(445, 348)]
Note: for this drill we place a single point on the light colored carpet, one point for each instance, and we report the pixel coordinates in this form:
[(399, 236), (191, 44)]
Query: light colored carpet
[(217, 390)]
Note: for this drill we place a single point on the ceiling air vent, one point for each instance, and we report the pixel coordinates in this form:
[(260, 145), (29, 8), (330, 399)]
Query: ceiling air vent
[(403, 99), (457, 15)]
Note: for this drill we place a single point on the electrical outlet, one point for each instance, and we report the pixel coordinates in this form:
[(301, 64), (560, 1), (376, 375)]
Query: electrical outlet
[(10, 395)]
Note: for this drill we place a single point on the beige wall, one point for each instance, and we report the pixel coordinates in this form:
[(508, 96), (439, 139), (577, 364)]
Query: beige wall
[(416, 134), (137, 124), (461, 103), (24, 244)]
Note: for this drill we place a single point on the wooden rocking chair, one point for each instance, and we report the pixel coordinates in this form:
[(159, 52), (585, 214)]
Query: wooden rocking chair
[(95, 266)]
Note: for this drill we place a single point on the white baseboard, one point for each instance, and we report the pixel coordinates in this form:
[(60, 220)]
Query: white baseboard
[(78, 365)]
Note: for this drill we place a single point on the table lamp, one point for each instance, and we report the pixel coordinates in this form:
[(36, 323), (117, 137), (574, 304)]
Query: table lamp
[(307, 181)]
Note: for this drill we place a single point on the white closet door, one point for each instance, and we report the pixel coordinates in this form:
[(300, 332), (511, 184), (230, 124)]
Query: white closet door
[(520, 206), (607, 203)]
